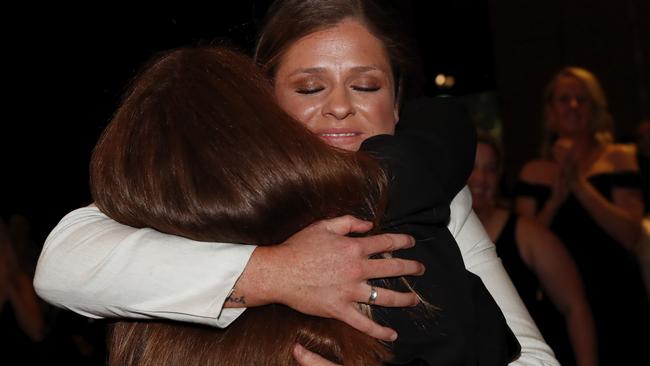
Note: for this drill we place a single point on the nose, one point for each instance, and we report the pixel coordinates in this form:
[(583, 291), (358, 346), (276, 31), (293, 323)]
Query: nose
[(338, 104), (573, 103)]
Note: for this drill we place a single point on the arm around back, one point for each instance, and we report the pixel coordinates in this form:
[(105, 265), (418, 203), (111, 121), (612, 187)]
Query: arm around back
[(479, 254), (99, 268)]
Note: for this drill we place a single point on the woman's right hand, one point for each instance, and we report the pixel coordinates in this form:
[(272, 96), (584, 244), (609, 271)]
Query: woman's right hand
[(563, 154), (320, 271)]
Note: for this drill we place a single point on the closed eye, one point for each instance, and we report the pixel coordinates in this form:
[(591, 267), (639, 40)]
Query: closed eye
[(309, 90), (366, 88)]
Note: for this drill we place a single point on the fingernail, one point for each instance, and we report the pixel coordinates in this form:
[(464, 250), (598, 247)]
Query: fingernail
[(298, 349), (416, 302), (393, 336)]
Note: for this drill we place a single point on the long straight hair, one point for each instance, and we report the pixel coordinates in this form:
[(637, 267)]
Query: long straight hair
[(199, 148)]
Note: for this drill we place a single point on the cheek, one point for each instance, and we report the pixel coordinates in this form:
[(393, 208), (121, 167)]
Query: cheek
[(302, 109), (492, 182), (381, 116)]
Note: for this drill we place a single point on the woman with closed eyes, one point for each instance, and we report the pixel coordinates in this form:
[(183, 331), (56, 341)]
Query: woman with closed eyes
[(336, 70)]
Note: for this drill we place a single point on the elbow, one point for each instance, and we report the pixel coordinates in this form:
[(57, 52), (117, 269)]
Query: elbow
[(41, 284), (45, 284)]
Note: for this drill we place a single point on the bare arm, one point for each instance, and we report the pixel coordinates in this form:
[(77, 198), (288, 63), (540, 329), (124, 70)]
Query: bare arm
[(620, 218), (329, 280), (527, 206), (548, 259), (26, 307)]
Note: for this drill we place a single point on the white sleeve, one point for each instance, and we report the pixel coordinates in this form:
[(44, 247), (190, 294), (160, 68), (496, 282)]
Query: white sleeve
[(480, 257), (99, 268)]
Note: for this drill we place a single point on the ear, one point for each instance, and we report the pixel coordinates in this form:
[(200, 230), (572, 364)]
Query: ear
[(396, 113)]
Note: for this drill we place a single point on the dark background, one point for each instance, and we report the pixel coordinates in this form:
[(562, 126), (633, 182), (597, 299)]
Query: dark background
[(66, 69)]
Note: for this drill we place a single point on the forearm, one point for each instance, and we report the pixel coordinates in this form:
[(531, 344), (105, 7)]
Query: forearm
[(100, 268), (255, 286), (621, 225), (547, 213), (582, 334), (26, 308)]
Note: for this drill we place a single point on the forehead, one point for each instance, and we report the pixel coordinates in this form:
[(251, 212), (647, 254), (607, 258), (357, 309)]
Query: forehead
[(347, 43), (485, 152), (569, 84)]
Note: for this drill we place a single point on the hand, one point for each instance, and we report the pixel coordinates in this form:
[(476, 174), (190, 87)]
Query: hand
[(564, 154), (570, 173), (306, 357), (320, 271), (561, 149)]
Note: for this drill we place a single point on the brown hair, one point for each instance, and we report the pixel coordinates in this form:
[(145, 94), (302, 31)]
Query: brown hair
[(198, 148), (289, 20)]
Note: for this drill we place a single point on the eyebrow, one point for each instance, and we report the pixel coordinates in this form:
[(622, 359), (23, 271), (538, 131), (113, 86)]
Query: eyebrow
[(318, 70)]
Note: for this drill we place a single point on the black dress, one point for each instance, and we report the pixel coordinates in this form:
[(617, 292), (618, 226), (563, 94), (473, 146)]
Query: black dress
[(550, 322), (428, 162), (611, 275)]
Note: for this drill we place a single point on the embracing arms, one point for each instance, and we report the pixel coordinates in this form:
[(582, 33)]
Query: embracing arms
[(99, 268)]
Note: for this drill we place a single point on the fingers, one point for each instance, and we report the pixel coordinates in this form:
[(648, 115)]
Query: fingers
[(347, 224), (364, 324), (305, 357), (391, 267), (385, 243), (389, 298)]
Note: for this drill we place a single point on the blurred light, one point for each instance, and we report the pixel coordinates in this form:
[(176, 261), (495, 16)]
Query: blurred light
[(440, 79), (445, 81), (450, 81)]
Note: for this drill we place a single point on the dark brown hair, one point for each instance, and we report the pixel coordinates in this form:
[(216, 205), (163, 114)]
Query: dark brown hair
[(198, 148), (289, 20)]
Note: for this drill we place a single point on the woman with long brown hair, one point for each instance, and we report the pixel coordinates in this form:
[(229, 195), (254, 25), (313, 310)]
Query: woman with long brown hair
[(196, 116), (365, 103), (189, 153)]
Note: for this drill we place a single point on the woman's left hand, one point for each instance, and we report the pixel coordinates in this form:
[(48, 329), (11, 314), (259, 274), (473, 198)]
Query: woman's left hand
[(306, 357)]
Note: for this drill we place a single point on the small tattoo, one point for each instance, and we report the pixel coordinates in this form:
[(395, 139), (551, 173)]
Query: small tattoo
[(237, 300)]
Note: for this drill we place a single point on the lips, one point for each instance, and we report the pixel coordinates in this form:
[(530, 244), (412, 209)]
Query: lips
[(348, 134), (346, 139)]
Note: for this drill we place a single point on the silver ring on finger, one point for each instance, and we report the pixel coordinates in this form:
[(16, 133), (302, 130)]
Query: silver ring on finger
[(373, 295)]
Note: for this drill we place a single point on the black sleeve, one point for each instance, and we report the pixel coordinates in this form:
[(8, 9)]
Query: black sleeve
[(428, 160)]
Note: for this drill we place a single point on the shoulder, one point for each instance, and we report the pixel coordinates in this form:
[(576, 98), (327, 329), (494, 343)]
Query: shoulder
[(461, 207), (539, 171), (621, 156)]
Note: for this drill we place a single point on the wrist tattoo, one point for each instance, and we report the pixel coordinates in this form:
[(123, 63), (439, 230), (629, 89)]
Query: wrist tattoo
[(234, 299)]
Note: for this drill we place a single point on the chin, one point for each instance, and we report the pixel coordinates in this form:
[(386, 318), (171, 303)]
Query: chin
[(348, 145)]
